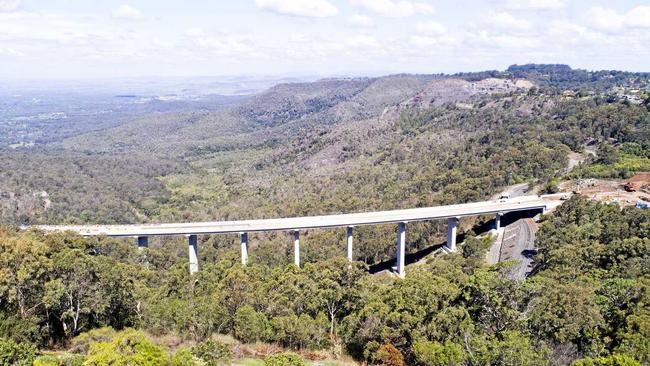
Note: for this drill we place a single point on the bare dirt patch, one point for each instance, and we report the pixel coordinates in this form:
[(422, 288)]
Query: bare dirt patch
[(604, 190)]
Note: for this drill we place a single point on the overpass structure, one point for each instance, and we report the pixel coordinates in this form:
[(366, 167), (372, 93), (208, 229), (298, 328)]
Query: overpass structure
[(452, 213)]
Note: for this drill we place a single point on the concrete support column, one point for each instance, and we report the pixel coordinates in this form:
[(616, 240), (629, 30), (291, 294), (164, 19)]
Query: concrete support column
[(244, 248), (350, 243), (401, 248), (296, 247), (452, 223), (497, 220), (193, 251), (143, 242)]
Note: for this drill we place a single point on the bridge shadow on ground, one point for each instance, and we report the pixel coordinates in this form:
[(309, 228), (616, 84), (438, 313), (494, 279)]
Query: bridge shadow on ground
[(414, 257)]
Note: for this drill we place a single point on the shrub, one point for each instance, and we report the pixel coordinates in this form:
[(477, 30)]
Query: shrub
[(474, 247), (81, 343), (552, 186), (183, 357), (212, 352), (370, 350), (284, 359), (20, 329), (388, 355), (14, 354), (436, 354), (128, 347), (250, 326), (60, 360), (613, 360)]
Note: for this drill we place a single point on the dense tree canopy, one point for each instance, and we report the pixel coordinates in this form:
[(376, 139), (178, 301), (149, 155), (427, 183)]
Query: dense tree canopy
[(327, 147), (588, 297)]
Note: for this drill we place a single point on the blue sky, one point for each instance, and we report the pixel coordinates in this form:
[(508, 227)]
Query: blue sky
[(105, 38)]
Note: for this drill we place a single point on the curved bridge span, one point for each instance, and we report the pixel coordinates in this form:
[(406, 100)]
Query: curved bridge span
[(294, 224)]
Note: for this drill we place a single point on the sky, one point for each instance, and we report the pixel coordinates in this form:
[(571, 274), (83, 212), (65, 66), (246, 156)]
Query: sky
[(80, 39)]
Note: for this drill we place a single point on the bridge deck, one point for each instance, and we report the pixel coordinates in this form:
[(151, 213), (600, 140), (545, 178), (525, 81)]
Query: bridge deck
[(309, 222)]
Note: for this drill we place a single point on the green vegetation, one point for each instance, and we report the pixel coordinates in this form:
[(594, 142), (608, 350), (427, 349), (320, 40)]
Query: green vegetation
[(19, 354), (212, 353), (624, 167), (332, 146), (284, 359), (65, 359), (247, 168), (129, 347), (588, 299), (564, 77)]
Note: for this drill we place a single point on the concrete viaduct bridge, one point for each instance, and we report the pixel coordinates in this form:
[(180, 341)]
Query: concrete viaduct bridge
[(294, 224)]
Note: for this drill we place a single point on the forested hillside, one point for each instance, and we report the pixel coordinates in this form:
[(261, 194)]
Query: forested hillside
[(588, 299), (337, 145), (340, 145)]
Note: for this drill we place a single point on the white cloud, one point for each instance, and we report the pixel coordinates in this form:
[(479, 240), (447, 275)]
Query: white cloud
[(315, 47), (362, 45), (505, 20), (609, 20), (363, 41), (9, 5), (423, 41), (395, 9), (638, 17), (604, 19), (565, 28), (600, 38), (536, 4), (507, 41), (230, 45), (359, 20), (195, 32), (430, 27), (161, 43), (127, 12), (25, 27), (567, 32), (10, 52), (303, 8), (303, 47), (430, 41)]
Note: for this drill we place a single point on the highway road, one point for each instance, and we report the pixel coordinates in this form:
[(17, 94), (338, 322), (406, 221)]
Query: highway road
[(519, 244), (313, 222)]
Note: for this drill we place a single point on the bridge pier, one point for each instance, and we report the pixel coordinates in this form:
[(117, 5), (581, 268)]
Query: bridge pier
[(143, 242), (401, 249), (452, 223), (350, 243), (497, 220), (296, 248), (244, 248), (193, 251)]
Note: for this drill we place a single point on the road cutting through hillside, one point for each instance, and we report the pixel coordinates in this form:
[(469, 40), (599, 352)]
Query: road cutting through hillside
[(518, 244)]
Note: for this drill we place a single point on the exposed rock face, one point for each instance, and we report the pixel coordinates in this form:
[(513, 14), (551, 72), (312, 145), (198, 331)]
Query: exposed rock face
[(439, 92)]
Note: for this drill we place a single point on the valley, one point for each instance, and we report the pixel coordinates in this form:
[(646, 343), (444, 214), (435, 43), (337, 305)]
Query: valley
[(328, 147)]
